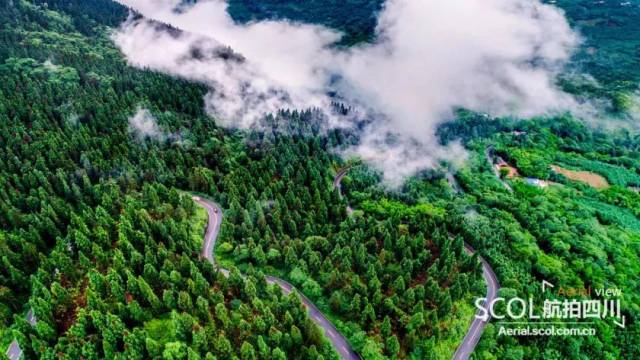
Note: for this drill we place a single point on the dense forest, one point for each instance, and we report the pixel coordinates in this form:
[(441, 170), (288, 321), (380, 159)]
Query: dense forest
[(571, 231), (97, 239), (356, 18), (101, 241)]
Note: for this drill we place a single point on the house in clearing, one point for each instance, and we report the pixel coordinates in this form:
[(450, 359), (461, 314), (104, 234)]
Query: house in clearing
[(501, 164)]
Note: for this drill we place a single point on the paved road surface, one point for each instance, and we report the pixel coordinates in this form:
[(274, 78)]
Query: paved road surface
[(477, 326), (14, 352), (213, 227), (338, 179), (337, 183), (453, 182), (31, 318)]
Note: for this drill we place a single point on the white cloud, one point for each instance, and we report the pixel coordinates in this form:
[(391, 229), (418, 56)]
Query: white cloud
[(49, 65), (144, 125), (495, 56), (279, 69), (634, 107)]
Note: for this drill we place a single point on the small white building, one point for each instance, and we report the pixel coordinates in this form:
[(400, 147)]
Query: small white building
[(537, 182)]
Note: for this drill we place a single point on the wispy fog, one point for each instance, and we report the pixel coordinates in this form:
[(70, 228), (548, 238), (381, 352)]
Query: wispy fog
[(431, 56), (145, 126)]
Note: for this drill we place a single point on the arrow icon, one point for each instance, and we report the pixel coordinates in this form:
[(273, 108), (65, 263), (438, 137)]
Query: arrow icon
[(621, 324), (546, 284)]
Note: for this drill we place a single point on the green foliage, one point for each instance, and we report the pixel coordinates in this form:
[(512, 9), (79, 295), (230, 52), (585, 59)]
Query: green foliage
[(95, 237), (160, 330), (99, 241), (531, 163), (356, 18), (610, 29), (225, 247), (567, 233)]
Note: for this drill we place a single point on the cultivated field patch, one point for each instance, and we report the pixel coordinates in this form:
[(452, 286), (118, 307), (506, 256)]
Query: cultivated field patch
[(593, 179)]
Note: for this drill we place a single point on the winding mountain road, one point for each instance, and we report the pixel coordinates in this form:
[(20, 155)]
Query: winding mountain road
[(14, 352), (213, 228), (477, 325), (337, 181)]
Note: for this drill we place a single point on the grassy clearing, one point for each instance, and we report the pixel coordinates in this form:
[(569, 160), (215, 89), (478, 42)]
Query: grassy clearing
[(592, 179)]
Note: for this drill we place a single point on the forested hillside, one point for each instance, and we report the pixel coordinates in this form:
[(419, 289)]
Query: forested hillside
[(100, 239), (568, 231), (356, 18), (101, 243), (606, 65), (96, 238)]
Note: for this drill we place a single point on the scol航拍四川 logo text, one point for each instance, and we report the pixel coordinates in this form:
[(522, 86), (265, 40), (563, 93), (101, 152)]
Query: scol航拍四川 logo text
[(555, 312)]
